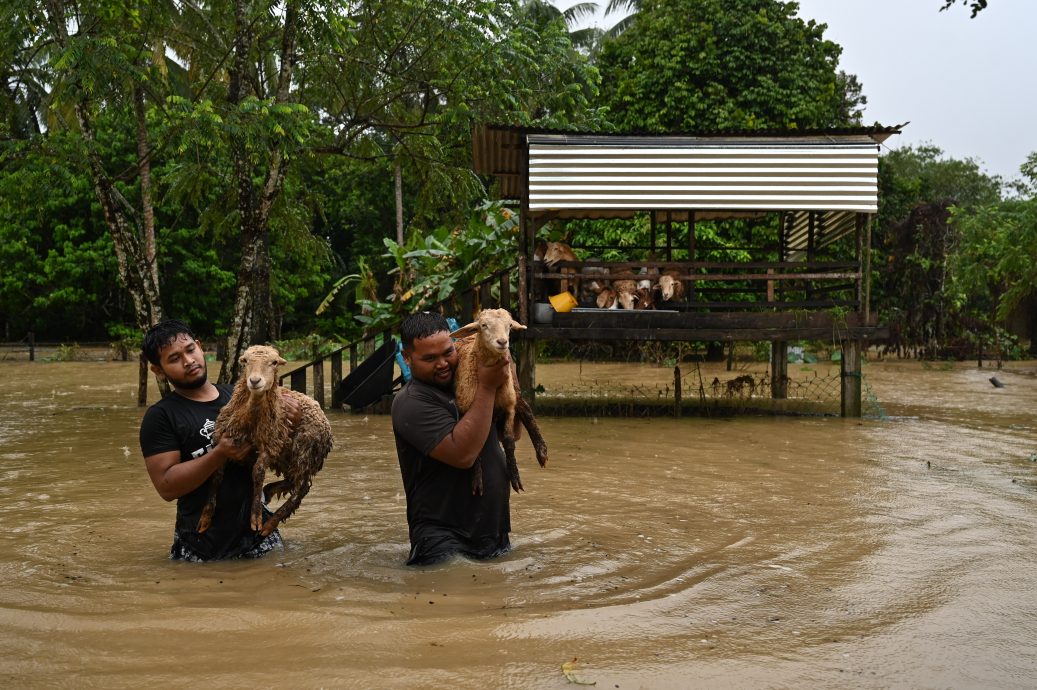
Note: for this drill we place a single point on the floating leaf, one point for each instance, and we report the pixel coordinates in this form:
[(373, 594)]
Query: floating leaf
[(569, 671)]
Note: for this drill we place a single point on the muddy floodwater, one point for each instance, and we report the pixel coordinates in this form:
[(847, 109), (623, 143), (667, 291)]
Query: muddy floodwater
[(897, 551)]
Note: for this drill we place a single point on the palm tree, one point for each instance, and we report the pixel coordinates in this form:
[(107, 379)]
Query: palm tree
[(542, 12)]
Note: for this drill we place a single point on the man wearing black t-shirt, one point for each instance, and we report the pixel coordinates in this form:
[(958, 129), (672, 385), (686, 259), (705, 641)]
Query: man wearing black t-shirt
[(437, 447), (176, 440)]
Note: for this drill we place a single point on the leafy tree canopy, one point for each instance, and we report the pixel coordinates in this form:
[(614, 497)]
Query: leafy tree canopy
[(698, 65)]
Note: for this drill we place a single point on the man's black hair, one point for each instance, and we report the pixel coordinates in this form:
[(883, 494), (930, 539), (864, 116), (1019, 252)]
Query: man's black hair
[(421, 325), (163, 334)]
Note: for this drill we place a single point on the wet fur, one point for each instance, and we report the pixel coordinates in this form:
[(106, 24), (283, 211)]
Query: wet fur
[(508, 402), (259, 417)]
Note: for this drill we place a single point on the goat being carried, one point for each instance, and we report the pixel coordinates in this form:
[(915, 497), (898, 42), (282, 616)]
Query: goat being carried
[(487, 339), (256, 414)]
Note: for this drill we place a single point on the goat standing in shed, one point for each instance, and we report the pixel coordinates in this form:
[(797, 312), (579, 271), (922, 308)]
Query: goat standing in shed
[(256, 414), (487, 340)]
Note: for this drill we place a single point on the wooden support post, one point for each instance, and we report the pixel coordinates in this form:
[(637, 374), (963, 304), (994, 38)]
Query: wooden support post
[(352, 358), (484, 296), (336, 378), (859, 231), (676, 391), (669, 235), (523, 292), (811, 240), (691, 254), (504, 294), (779, 370), (318, 382), (850, 368), (867, 271), (651, 236), (32, 346), (526, 367)]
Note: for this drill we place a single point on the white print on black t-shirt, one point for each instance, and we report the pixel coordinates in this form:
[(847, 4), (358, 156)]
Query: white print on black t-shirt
[(205, 431)]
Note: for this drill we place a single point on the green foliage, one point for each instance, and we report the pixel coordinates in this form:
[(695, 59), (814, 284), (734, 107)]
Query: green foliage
[(910, 176), (701, 65), (994, 269), (915, 245), (312, 346), (435, 267), (69, 352)]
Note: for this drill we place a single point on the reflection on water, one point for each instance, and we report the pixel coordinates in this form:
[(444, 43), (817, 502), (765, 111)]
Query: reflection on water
[(662, 553)]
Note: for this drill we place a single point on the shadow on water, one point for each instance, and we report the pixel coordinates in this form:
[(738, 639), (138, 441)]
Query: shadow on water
[(662, 553)]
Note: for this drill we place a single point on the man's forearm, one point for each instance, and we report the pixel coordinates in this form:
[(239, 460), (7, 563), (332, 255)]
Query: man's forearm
[(462, 445), (175, 479)]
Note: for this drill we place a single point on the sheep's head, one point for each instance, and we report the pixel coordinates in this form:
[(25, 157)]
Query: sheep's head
[(260, 364), (667, 287), (606, 299), (493, 327), (626, 299)]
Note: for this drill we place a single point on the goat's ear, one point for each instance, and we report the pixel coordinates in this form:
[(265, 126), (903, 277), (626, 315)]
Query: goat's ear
[(281, 360), (516, 326), (465, 331)]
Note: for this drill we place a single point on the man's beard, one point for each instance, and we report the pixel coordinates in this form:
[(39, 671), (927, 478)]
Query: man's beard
[(183, 384)]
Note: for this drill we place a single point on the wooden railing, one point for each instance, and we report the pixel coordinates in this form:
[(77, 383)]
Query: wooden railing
[(720, 286), (462, 307)]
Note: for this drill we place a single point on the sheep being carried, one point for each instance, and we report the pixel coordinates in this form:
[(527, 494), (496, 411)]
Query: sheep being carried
[(487, 340), (256, 414)]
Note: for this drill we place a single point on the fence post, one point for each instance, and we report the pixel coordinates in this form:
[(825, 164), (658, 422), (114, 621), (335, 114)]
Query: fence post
[(850, 368), (142, 382), (298, 380), (336, 378), (32, 346), (676, 391), (318, 382), (779, 370)]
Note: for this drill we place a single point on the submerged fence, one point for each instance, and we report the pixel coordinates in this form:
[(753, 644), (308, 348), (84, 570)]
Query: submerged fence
[(695, 390)]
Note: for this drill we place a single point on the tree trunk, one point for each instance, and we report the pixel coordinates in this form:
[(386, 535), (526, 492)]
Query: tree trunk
[(135, 260), (399, 204), (252, 318)]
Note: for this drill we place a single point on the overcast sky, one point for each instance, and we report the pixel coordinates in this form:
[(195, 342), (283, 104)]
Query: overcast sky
[(968, 86)]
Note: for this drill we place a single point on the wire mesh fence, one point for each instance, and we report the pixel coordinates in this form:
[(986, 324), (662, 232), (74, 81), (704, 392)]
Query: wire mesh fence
[(694, 388)]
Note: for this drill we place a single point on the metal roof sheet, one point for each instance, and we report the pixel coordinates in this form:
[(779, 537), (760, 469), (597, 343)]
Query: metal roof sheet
[(570, 173)]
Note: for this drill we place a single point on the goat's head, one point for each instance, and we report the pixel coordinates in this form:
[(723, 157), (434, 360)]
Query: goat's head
[(493, 327), (558, 251), (644, 298), (260, 364), (606, 299)]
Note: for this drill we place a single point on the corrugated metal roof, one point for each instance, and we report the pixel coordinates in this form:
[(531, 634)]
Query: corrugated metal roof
[(824, 170), (685, 175)]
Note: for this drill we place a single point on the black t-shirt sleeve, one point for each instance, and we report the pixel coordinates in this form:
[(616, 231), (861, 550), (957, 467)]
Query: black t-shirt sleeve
[(423, 419), (157, 433)]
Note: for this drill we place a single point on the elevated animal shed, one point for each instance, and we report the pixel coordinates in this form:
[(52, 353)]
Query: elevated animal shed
[(811, 193)]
